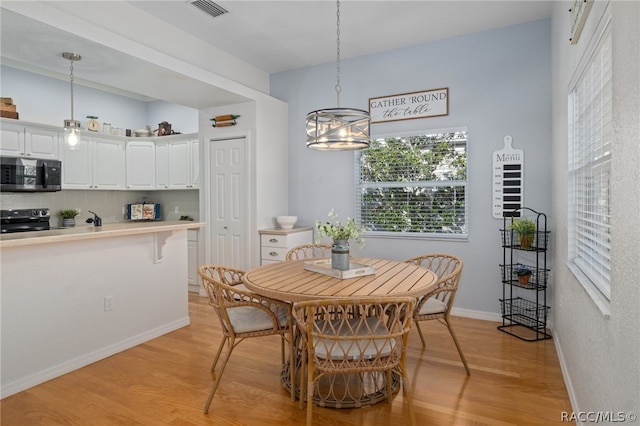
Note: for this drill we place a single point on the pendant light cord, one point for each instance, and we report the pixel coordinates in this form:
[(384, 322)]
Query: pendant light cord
[(71, 89), (338, 87)]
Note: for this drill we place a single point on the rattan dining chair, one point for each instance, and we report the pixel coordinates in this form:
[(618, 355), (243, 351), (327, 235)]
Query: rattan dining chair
[(357, 336), (437, 304), (243, 314), (309, 251)]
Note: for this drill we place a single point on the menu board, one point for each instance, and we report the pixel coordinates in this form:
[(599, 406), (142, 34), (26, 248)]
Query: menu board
[(508, 180)]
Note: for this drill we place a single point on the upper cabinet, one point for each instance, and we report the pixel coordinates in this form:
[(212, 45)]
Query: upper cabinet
[(177, 163), (20, 140), (141, 165), (95, 163)]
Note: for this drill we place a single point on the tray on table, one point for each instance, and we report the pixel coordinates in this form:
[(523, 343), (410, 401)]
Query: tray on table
[(323, 266)]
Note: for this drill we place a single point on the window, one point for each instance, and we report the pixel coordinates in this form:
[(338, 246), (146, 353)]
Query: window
[(414, 185), (590, 145)]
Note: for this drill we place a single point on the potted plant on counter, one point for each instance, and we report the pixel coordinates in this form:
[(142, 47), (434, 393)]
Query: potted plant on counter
[(340, 234), (68, 217), (526, 230)]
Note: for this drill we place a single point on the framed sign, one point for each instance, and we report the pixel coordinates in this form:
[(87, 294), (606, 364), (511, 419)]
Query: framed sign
[(508, 180), (407, 106)]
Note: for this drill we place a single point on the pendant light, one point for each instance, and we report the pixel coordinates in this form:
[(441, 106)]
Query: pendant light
[(71, 127), (338, 129)]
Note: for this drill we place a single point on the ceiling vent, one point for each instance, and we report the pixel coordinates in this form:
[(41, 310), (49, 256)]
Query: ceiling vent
[(209, 7)]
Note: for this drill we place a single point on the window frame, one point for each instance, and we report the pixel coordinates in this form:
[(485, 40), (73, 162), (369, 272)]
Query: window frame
[(596, 281), (450, 183)]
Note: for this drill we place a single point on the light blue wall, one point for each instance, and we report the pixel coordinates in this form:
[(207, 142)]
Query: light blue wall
[(499, 83), (46, 100)]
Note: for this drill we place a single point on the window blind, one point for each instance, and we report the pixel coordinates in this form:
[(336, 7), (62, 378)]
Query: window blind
[(414, 184), (591, 143)]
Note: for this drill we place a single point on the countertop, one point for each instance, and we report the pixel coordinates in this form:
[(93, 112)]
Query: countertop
[(18, 239), (280, 231)]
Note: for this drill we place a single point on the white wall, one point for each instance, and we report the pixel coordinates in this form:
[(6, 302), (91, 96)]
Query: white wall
[(499, 83), (600, 356)]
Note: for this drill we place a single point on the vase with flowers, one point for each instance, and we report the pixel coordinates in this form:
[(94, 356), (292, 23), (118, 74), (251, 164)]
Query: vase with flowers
[(340, 234)]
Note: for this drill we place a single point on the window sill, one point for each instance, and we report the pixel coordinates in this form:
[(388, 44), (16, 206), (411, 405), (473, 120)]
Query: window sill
[(596, 296), (417, 236)]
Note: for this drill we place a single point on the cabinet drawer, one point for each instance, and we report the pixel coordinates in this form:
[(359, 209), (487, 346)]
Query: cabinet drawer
[(273, 253), (286, 241)]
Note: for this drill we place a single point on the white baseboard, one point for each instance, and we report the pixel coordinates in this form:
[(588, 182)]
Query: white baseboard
[(89, 358), (565, 376), (481, 315)]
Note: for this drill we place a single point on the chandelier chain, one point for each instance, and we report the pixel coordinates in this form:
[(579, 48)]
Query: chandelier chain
[(338, 87)]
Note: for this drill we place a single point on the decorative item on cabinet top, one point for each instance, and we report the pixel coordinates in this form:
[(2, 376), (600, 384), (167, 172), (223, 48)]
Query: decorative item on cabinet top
[(8, 109), (224, 120)]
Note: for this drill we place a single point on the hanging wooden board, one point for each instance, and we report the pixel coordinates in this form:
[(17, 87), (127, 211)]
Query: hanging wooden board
[(508, 180)]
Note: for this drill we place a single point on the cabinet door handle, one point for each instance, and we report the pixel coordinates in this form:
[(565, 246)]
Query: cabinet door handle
[(273, 240), (273, 253)]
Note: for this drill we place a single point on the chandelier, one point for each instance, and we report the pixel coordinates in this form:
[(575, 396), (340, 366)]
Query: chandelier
[(338, 129)]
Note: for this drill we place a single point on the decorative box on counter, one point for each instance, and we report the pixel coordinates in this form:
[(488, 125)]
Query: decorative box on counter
[(144, 211)]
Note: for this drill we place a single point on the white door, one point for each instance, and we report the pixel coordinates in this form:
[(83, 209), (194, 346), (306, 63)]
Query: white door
[(228, 202)]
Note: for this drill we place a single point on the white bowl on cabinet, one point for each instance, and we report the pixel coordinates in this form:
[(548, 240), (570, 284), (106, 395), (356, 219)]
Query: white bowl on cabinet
[(286, 222)]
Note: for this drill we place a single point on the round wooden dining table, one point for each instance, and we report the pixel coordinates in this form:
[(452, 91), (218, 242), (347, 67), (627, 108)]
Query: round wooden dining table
[(290, 281)]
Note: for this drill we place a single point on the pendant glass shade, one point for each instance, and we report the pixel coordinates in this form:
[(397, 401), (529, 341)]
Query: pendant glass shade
[(71, 133), (338, 129)]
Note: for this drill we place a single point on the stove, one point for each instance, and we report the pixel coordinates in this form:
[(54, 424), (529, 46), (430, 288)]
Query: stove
[(22, 220)]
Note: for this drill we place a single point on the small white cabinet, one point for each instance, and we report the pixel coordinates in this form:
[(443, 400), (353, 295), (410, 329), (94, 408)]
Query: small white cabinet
[(95, 163), (19, 140), (192, 261), (141, 165), (276, 242)]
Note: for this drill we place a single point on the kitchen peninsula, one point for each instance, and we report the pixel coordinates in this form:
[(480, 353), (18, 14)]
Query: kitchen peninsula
[(74, 296)]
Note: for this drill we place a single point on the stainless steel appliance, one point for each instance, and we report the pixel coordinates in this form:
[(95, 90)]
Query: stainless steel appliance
[(22, 220), (30, 175)]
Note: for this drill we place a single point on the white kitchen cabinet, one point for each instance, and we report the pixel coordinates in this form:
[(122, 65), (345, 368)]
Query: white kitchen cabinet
[(141, 165), (192, 261), (20, 140), (162, 165), (177, 163), (276, 242), (95, 163), (183, 170)]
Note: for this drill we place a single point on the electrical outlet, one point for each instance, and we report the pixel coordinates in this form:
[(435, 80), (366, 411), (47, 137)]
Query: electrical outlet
[(176, 210), (108, 303)]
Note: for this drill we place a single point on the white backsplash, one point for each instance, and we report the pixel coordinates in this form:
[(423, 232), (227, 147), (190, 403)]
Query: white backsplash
[(107, 204)]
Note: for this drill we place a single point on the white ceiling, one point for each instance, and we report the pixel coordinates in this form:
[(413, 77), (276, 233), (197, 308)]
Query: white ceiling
[(273, 36)]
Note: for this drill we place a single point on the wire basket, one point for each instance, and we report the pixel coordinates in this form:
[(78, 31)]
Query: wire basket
[(525, 312)]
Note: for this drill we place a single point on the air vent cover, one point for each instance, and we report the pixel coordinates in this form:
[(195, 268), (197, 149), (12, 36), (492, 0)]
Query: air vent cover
[(209, 7)]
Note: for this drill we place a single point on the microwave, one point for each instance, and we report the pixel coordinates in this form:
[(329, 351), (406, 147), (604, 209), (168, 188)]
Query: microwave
[(30, 175)]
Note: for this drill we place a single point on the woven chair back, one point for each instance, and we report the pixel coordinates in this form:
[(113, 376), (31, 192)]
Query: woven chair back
[(350, 335), (309, 251), (448, 268)]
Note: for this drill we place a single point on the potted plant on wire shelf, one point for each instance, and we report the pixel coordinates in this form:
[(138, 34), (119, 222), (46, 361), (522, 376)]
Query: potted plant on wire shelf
[(340, 234), (524, 274), (526, 230)]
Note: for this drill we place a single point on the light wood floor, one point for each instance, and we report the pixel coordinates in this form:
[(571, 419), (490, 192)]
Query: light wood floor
[(166, 382)]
